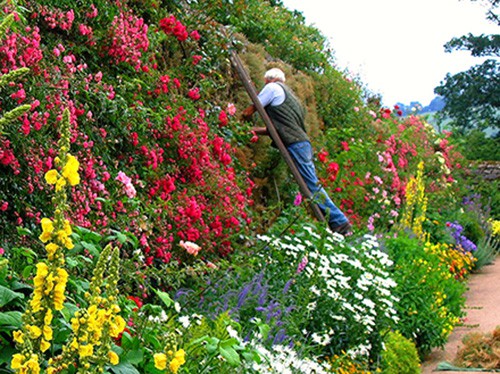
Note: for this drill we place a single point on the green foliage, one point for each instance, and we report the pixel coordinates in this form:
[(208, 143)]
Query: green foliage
[(282, 32), (476, 145), (472, 97), (431, 299), (400, 355)]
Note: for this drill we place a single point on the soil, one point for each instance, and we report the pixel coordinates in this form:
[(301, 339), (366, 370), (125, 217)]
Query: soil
[(482, 315)]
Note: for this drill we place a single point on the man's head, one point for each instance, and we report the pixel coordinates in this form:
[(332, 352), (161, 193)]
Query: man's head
[(274, 75)]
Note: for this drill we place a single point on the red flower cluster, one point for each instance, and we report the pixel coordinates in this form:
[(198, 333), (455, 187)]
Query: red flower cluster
[(172, 26), (129, 39)]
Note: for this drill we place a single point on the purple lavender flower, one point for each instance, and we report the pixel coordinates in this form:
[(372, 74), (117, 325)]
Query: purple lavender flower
[(460, 240)]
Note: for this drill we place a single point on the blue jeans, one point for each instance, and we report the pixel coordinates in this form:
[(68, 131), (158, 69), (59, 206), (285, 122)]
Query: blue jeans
[(302, 154)]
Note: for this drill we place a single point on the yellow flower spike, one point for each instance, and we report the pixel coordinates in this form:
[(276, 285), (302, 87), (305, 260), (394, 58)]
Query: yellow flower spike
[(113, 358), (160, 361), (51, 176), (179, 359)]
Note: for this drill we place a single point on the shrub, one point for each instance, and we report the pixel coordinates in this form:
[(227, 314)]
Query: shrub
[(400, 355)]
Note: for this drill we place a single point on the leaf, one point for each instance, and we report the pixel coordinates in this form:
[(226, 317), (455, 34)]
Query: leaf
[(91, 248), (232, 357), (24, 231), (134, 357), (165, 297), (11, 320), (69, 311), (153, 340), (124, 368), (27, 271), (7, 295)]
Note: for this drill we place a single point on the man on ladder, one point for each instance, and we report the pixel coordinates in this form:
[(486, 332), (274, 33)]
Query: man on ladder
[(287, 115)]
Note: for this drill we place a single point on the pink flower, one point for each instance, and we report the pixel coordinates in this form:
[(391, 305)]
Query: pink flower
[(122, 177), (195, 35), (298, 199), (4, 206), (231, 109), (345, 146), (302, 265), (2, 251), (130, 190), (190, 247)]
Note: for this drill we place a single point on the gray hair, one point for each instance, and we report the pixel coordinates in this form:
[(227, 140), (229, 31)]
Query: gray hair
[(275, 73)]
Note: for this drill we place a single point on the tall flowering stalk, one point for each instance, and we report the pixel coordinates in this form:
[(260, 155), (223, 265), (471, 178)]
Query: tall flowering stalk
[(416, 203), (48, 296), (94, 327), (89, 346)]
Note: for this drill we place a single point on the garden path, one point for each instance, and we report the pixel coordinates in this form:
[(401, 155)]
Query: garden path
[(482, 315)]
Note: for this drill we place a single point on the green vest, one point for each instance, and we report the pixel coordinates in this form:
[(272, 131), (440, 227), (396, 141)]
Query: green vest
[(288, 118)]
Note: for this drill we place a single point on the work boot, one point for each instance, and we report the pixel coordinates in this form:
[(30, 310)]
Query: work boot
[(343, 229)]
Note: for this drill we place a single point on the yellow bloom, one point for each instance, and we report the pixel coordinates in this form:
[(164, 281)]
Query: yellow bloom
[(67, 227), (51, 176), (160, 361), (47, 229), (117, 327), (113, 358), (18, 337), (61, 182), (48, 317), (51, 249), (70, 170), (86, 350), (47, 332), (44, 345), (33, 331), (33, 364), (179, 359), (17, 361)]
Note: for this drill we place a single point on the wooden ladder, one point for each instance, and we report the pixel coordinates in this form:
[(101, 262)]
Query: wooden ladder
[(247, 83)]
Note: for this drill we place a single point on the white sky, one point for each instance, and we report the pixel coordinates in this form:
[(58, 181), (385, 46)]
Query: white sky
[(396, 46)]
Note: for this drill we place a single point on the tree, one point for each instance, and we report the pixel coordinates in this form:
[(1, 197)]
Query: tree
[(473, 97)]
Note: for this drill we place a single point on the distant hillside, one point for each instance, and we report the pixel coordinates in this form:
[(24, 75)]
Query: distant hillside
[(415, 107)]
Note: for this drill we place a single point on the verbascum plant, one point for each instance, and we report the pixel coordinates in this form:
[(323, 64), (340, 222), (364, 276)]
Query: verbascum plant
[(48, 296), (416, 203), (93, 328), (89, 346)]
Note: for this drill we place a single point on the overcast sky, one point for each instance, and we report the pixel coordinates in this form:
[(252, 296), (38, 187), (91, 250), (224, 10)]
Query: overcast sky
[(396, 46)]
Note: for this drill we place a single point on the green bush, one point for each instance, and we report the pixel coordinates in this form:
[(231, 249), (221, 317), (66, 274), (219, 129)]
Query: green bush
[(400, 355), (430, 298)]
